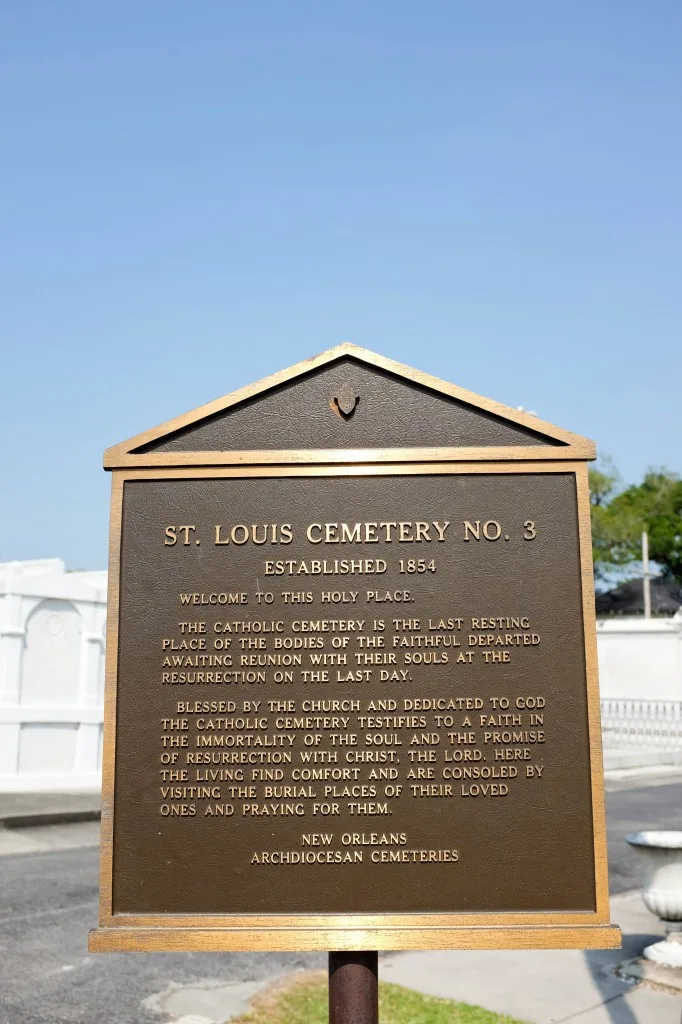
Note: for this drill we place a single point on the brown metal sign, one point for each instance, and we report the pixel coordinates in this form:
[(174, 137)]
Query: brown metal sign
[(351, 696)]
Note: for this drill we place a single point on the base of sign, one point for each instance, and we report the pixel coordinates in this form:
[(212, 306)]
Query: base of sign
[(353, 988), (223, 940)]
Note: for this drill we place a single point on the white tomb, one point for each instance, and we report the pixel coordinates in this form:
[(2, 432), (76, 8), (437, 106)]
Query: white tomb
[(52, 627)]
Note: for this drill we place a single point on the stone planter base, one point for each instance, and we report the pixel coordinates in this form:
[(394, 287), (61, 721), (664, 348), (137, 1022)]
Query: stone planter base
[(662, 893), (647, 970), (667, 952)]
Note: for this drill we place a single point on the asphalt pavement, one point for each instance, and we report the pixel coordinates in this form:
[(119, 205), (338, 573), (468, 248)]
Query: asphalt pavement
[(48, 902), (634, 810)]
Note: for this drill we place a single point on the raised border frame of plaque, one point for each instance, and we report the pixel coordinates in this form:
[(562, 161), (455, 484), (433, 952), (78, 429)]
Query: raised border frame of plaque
[(568, 453)]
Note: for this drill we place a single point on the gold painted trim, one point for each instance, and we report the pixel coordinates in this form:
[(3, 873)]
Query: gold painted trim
[(512, 453), (592, 672), (580, 929), (110, 688), (206, 940), (382, 469), (119, 455)]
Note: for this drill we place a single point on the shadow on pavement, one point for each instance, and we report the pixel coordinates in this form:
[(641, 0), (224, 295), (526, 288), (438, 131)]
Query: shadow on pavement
[(601, 964)]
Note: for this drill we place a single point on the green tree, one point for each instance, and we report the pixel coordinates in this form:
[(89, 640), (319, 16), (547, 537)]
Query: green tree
[(619, 516), (655, 505), (613, 533)]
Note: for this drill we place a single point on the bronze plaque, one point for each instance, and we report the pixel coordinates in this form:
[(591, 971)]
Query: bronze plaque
[(351, 693)]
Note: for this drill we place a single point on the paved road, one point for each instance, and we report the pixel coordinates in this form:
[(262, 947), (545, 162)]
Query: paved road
[(48, 901), (634, 810)]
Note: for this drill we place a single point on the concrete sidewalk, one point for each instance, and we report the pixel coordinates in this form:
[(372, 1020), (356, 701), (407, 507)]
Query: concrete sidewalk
[(19, 810), (548, 986)]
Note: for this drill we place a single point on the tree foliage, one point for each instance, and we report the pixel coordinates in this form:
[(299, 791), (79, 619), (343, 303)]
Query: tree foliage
[(620, 516)]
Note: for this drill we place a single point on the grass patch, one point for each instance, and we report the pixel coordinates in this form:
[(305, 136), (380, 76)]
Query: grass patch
[(302, 999)]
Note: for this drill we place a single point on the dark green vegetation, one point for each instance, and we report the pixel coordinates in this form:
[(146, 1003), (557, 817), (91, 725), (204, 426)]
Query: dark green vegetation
[(619, 517)]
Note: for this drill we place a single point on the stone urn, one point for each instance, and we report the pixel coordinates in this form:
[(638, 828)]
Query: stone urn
[(662, 892)]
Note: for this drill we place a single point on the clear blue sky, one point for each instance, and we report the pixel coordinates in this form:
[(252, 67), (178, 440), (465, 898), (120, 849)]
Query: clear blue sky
[(197, 194)]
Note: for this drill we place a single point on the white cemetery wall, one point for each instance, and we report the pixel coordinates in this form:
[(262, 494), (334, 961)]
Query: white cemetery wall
[(640, 659), (52, 628)]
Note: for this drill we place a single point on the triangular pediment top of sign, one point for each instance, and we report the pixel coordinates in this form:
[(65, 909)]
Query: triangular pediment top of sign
[(348, 405)]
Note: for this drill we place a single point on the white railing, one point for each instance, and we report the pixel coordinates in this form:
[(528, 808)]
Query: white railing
[(643, 724)]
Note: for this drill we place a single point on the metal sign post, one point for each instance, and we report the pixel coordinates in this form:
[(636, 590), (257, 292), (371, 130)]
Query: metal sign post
[(353, 988)]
